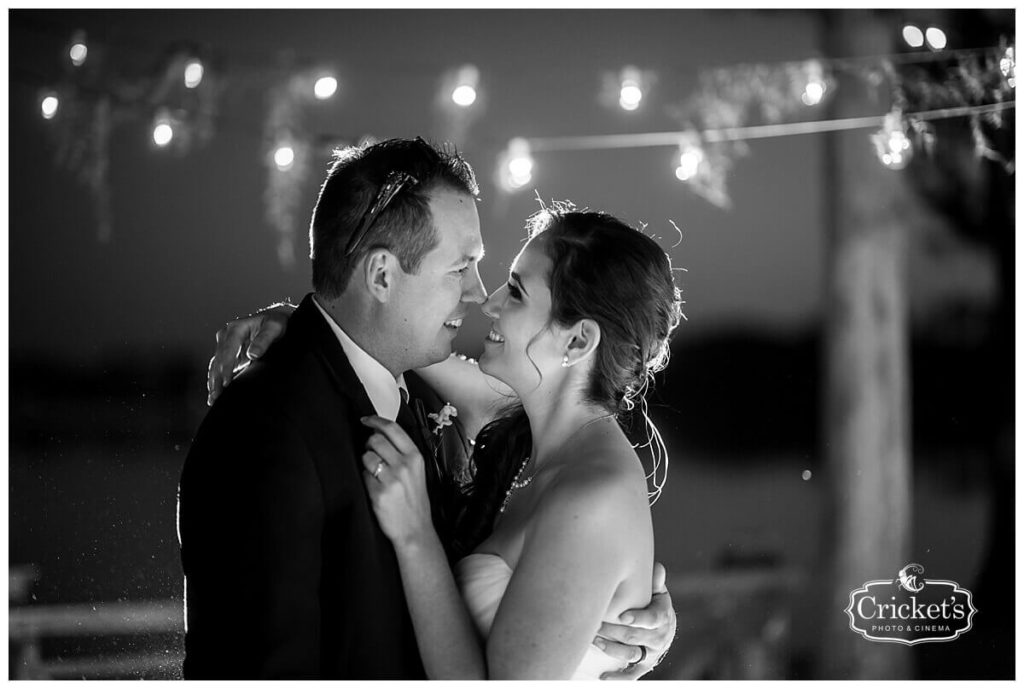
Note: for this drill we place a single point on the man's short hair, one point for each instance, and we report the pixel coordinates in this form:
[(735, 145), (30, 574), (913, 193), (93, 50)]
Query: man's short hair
[(405, 227)]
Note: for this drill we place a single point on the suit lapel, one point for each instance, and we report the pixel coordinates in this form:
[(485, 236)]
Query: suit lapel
[(309, 325), (312, 327)]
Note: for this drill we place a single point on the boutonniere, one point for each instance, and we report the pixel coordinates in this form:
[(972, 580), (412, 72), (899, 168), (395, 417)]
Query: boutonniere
[(443, 418)]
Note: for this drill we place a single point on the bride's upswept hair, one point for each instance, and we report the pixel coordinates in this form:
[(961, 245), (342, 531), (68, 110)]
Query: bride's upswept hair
[(617, 276)]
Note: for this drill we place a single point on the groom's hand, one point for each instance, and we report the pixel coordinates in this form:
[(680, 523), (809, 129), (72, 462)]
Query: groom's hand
[(645, 634), (254, 333)]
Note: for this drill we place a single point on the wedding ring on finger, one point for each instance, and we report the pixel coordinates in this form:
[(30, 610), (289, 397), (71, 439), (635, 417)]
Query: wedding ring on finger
[(376, 471)]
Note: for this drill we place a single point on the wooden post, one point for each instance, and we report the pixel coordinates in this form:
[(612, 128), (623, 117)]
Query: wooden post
[(866, 414)]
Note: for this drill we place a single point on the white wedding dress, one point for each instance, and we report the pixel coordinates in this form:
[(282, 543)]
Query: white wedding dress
[(483, 578)]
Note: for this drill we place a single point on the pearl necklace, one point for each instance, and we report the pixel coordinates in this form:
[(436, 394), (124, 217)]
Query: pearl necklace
[(520, 484), (516, 484)]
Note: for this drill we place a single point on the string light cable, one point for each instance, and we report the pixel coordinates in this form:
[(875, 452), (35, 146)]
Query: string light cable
[(659, 139)]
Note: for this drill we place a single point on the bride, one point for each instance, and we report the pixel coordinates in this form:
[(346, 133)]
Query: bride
[(557, 514)]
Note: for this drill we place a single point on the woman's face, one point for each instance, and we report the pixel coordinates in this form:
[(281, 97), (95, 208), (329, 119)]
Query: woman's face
[(520, 340)]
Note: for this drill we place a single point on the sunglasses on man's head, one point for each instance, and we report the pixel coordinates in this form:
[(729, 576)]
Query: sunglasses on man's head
[(388, 191), (393, 183)]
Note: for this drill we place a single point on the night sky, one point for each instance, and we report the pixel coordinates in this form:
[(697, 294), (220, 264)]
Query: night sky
[(191, 247)]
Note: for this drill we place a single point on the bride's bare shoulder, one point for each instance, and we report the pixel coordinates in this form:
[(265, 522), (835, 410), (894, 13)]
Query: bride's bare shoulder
[(598, 479)]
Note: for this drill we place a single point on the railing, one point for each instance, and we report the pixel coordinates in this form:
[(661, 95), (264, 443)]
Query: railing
[(30, 625), (733, 624)]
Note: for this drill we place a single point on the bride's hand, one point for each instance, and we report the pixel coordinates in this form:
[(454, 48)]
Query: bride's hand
[(396, 481), (254, 334)]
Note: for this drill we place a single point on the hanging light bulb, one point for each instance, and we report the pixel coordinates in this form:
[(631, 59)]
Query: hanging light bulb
[(913, 36), (78, 50), (813, 93), (284, 157), (163, 129), (815, 88), (936, 38), (630, 95), (464, 94), (892, 143), (49, 105), (163, 132), (516, 165), (193, 74), (690, 158), (630, 89), (1008, 66), (325, 87), (520, 168)]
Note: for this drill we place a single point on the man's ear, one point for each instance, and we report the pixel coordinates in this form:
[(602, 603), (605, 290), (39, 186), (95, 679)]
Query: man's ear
[(378, 271), (583, 340)]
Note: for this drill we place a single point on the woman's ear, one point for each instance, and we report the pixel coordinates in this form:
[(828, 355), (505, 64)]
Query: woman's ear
[(583, 340), (378, 273)]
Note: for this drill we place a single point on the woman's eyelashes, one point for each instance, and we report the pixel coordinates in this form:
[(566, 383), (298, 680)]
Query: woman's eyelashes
[(514, 291)]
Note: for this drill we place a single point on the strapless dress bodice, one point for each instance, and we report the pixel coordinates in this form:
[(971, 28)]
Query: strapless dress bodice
[(483, 578)]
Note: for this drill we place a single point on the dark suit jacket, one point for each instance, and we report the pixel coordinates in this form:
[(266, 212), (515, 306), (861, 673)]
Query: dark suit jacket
[(287, 571)]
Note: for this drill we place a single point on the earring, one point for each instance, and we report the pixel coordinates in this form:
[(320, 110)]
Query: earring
[(565, 361)]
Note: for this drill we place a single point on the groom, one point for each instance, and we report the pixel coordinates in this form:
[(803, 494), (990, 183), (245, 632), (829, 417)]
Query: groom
[(288, 574)]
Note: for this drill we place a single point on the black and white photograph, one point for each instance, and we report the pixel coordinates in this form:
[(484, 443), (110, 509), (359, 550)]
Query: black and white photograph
[(496, 343)]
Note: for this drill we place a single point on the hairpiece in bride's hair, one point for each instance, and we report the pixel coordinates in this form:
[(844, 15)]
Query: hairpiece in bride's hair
[(657, 361), (659, 455), (637, 397)]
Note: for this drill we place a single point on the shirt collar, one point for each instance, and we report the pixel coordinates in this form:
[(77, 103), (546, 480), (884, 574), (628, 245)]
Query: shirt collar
[(382, 388)]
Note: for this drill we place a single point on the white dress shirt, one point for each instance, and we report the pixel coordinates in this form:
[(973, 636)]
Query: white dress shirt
[(383, 389)]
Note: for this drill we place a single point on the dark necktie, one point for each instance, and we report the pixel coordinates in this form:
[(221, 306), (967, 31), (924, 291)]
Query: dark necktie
[(407, 420)]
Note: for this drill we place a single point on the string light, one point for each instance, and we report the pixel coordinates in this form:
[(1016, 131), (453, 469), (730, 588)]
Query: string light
[(815, 89), (516, 166), (325, 87), (162, 134), (464, 94), (690, 158), (630, 95), (49, 105), (1008, 66), (193, 74), (891, 142), (163, 130), (79, 50), (913, 36), (813, 93), (630, 90), (936, 38), (694, 164), (284, 157), (521, 169)]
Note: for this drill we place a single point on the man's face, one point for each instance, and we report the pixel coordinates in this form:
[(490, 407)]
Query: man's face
[(429, 306)]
